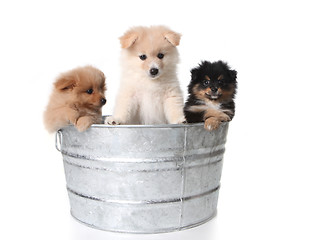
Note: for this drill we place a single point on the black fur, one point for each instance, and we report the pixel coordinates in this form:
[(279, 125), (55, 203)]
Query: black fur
[(211, 78)]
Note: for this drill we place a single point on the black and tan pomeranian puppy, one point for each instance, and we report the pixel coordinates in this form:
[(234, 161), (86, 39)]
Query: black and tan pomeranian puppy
[(211, 94)]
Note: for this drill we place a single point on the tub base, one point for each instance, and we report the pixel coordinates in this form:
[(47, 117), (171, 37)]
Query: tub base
[(143, 218)]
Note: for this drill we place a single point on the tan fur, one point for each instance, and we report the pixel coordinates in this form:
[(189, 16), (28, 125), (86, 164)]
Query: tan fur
[(226, 95), (211, 123), (200, 93), (142, 98), (70, 104), (213, 118), (217, 114)]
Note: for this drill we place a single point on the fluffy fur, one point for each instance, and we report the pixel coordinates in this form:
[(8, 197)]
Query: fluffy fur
[(149, 91), (77, 98), (211, 94)]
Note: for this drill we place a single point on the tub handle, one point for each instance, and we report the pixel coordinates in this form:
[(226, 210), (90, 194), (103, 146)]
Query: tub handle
[(58, 140)]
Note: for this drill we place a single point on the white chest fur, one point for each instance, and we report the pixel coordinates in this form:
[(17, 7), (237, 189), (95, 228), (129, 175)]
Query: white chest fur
[(205, 106), (150, 104), (213, 105), (149, 101)]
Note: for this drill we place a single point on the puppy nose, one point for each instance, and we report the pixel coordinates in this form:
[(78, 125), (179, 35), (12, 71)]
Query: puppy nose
[(154, 71), (103, 101), (214, 89)]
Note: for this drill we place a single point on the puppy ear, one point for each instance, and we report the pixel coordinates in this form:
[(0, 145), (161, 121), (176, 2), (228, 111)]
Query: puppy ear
[(233, 74), (65, 82), (194, 74), (128, 39), (103, 76), (173, 38)]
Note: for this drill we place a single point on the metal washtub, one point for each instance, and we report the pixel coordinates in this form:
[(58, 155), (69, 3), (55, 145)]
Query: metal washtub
[(143, 178)]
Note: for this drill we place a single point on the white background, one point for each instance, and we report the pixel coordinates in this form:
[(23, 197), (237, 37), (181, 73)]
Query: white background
[(266, 179)]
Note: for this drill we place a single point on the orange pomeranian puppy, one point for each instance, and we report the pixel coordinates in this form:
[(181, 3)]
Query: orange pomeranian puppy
[(77, 98)]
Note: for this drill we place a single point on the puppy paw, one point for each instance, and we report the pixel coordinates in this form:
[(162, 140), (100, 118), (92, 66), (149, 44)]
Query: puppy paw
[(83, 123), (111, 121), (224, 118), (181, 120), (211, 124)]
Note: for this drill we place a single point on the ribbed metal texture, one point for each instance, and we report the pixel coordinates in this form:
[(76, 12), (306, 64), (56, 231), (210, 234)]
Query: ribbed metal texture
[(143, 179)]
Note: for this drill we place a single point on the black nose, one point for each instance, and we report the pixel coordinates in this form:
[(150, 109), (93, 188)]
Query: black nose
[(103, 101), (154, 71), (214, 89)]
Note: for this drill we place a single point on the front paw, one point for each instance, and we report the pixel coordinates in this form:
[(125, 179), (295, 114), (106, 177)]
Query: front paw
[(180, 120), (211, 123), (111, 121), (224, 118), (83, 123)]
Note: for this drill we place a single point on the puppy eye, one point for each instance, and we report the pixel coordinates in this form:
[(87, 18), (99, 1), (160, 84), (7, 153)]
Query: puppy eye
[(160, 55), (143, 57), (205, 83), (89, 91)]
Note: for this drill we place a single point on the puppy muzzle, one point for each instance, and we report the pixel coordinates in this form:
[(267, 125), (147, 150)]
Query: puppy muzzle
[(213, 95)]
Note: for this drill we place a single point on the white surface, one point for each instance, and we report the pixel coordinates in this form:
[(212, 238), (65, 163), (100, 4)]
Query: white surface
[(266, 179)]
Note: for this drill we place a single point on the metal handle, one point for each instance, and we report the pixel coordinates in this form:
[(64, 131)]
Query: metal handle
[(58, 140)]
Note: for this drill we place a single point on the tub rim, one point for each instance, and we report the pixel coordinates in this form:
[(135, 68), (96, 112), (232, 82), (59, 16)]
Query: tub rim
[(102, 125), (180, 125)]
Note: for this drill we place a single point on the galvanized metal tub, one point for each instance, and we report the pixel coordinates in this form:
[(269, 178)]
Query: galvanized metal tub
[(143, 179)]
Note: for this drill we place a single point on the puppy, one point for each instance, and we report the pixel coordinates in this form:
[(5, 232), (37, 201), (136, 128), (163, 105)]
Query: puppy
[(77, 98), (211, 94), (149, 91)]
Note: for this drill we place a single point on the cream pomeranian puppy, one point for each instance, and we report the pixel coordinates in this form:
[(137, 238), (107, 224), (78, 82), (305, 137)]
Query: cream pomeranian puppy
[(77, 98), (149, 90)]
